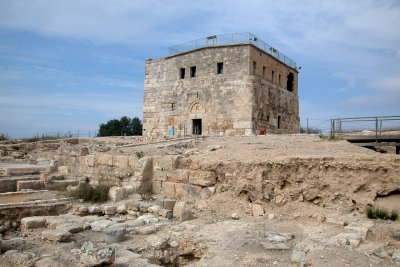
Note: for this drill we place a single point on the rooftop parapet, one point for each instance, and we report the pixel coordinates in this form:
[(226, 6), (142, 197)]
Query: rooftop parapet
[(228, 39)]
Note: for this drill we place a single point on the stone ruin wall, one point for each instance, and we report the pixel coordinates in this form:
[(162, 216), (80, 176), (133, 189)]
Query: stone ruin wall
[(231, 103), (318, 180)]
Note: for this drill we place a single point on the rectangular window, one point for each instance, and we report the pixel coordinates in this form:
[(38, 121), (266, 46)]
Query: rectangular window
[(263, 71), (172, 106), (182, 73), (254, 68), (192, 71), (279, 122), (272, 76), (220, 68), (279, 79)]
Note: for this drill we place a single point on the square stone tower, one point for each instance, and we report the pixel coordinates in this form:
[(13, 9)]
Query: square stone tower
[(232, 84)]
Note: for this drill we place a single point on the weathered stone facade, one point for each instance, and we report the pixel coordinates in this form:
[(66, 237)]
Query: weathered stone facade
[(228, 89)]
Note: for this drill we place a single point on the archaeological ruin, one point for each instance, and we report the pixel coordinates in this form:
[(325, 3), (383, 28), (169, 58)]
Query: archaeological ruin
[(232, 84)]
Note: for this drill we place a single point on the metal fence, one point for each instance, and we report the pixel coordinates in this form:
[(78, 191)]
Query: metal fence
[(311, 125), (235, 38), (376, 125)]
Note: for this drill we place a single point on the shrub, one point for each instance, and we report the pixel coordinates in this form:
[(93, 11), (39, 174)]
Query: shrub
[(310, 130), (140, 154), (90, 193), (381, 213), (3, 137), (394, 216)]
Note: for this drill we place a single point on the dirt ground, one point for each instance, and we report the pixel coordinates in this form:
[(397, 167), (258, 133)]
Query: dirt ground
[(225, 230)]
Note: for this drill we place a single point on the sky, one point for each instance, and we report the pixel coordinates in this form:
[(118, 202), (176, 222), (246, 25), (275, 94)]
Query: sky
[(71, 65)]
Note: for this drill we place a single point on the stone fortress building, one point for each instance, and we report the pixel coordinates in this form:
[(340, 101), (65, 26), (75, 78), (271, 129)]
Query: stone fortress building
[(232, 84)]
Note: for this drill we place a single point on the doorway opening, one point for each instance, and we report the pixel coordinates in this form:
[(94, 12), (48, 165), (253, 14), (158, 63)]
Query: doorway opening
[(197, 126)]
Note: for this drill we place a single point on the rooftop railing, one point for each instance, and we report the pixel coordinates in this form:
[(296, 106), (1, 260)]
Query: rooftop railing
[(235, 38)]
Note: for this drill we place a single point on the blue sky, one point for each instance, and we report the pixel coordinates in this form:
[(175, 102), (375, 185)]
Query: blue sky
[(71, 65)]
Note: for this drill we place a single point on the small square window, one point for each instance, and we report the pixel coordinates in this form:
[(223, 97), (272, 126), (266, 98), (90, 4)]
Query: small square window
[(182, 73), (220, 68), (193, 72)]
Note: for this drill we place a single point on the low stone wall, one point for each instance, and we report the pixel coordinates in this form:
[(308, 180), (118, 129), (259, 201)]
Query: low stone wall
[(10, 184), (30, 184)]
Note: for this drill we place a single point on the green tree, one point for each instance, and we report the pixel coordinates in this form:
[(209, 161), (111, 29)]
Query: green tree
[(123, 126), (136, 126)]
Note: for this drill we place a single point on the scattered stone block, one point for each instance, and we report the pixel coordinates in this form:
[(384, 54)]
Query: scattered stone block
[(345, 239), (235, 216), (56, 235), (83, 210), (144, 207), (157, 242), (109, 210), (183, 212), (92, 254), (381, 252), (148, 218), (257, 210), (100, 225), (33, 222), (121, 209), (154, 209), (118, 229), (94, 210), (362, 230), (396, 256), (53, 221), (132, 205)]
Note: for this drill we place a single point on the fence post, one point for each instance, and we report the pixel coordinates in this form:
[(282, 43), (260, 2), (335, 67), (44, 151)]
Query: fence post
[(376, 129), (332, 128), (307, 126)]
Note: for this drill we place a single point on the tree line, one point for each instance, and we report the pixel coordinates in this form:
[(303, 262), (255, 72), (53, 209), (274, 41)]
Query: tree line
[(123, 126)]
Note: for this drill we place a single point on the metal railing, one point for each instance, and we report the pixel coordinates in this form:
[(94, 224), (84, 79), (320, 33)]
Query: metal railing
[(235, 38), (365, 125)]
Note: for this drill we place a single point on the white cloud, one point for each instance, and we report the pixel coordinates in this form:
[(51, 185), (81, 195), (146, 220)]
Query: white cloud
[(349, 80), (387, 85)]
